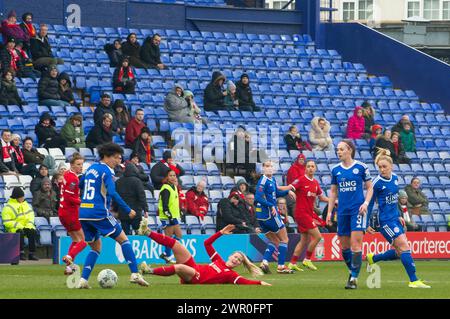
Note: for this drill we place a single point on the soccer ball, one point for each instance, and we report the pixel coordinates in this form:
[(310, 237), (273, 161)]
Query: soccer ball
[(107, 278)]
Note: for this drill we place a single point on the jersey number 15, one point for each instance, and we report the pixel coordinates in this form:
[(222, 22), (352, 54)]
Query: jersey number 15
[(89, 190)]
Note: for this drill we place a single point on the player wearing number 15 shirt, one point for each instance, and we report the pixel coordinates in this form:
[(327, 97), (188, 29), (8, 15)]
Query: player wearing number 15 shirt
[(96, 220)]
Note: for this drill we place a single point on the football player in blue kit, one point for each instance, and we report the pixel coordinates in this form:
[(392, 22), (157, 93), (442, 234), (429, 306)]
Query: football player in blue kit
[(98, 189), (348, 180), (385, 192), (269, 218)]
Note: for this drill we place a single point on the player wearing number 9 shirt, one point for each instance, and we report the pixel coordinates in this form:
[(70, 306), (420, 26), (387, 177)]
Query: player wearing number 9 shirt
[(98, 188), (348, 180)]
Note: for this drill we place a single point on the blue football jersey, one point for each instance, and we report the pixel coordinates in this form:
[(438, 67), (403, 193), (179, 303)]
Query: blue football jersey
[(98, 189), (385, 192), (350, 186), (266, 197)]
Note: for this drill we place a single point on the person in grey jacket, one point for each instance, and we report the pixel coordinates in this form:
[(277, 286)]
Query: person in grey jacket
[(178, 107)]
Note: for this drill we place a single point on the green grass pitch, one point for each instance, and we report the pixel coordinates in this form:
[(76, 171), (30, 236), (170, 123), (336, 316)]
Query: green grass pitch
[(47, 281)]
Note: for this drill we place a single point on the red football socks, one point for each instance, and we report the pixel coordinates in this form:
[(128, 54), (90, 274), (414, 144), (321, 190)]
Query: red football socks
[(309, 254), (162, 239), (294, 259), (76, 248), (164, 271)]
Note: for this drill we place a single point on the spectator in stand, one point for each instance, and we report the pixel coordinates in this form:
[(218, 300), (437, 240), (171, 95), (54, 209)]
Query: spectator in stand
[(142, 146), (134, 127), (214, 94), (197, 200), (245, 96), (399, 127), (399, 154), (10, 29), (57, 180), (101, 133), (73, 133), (369, 117), (8, 90), (121, 115), (28, 28), (241, 153), (250, 201), (404, 211), (124, 80), (294, 141), (377, 131), (131, 188), (46, 133), (242, 188), (32, 156), (177, 107), (417, 200), (229, 211), (132, 48), (104, 106), (408, 137), (297, 169), (356, 124), (134, 159), (231, 101), (19, 159), (159, 170), (36, 182), (189, 96), (24, 63), (114, 52), (383, 141), (7, 165), (65, 89), (45, 202), (319, 135), (283, 210), (22, 223), (41, 51), (150, 52), (49, 91)]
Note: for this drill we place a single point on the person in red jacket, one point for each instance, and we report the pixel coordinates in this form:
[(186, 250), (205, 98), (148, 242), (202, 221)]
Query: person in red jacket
[(297, 169), (134, 127), (356, 124), (197, 201), (68, 211), (217, 272)]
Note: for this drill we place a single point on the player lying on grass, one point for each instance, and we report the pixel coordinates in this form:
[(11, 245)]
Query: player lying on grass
[(269, 219), (307, 189), (217, 272), (385, 187), (68, 211)]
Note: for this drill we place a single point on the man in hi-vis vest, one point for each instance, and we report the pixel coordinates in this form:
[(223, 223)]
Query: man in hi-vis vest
[(18, 217)]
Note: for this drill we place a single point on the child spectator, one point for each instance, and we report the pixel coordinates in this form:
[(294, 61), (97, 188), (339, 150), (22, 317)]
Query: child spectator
[(244, 95), (8, 90), (403, 208), (65, 89), (376, 132), (121, 115), (24, 63), (319, 135), (356, 124), (297, 169), (189, 97), (73, 132), (124, 80), (294, 141), (231, 101)]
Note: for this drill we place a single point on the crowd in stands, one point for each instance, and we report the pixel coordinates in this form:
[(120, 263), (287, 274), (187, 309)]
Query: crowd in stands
[(27, 53)]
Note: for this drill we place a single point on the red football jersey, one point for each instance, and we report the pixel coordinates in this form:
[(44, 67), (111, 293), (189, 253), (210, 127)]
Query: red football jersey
[(70, 193), (306, 191)]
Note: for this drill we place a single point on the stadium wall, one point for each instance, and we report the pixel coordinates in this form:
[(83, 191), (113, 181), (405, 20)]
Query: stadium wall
[(424, 245), (407, 67), (134, 14)]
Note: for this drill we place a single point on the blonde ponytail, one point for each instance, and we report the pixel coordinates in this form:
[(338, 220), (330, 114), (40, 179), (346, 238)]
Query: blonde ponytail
[(254, 270), (383, 154)]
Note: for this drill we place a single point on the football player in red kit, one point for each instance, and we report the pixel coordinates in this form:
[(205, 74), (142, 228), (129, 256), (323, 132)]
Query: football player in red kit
[(307, 189), (217, 272), (69, 208)]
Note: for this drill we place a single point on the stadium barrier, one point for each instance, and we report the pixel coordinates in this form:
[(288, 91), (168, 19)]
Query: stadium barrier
[(9, 248), (424, 245)]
